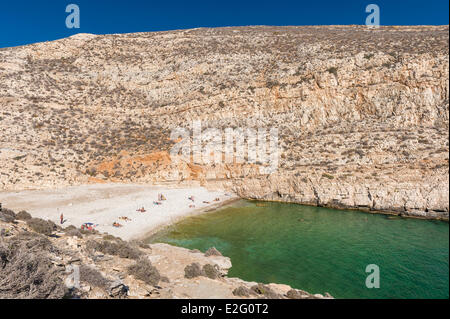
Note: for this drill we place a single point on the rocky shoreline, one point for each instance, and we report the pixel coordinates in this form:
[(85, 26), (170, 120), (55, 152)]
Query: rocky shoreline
[(408, 202), (88, 264)]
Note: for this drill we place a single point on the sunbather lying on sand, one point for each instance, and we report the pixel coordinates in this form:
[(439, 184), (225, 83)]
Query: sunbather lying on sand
[(191, 198), (117, 224), (142, 210), (125, 218)]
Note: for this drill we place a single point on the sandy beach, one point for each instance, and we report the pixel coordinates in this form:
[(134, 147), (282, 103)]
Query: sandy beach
[(104, 204)]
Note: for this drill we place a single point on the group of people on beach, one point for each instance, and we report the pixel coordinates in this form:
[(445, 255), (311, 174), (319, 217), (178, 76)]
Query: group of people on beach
[(161, 198)]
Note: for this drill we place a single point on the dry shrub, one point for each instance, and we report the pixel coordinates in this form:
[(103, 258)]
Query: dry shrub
[(89, 232), (7, 215), (211, 271), (139, 243), (193, 270), (145, 271), (110, 237), (73, 233), (41, 226), (116, 248), (26, 269), (23, 215), (6, 218), (93, 277), (242, 291), (266, 291), (212, 252)]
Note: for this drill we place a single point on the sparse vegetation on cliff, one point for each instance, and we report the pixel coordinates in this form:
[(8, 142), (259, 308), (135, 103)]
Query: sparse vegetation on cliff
[(347, 103), (145, 271)]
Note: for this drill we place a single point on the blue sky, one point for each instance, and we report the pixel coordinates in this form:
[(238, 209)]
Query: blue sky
[(28, 21)]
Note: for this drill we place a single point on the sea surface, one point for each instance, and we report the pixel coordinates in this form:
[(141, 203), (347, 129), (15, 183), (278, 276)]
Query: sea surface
[(323, 250)]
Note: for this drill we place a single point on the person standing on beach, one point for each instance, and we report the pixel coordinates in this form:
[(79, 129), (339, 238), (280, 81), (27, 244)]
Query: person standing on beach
[(61, 218)]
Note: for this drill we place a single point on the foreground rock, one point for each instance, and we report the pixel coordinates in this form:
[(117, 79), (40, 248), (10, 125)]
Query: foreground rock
[(37, 264)]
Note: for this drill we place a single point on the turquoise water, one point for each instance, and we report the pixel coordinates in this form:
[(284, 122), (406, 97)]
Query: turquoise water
[(323, 250)]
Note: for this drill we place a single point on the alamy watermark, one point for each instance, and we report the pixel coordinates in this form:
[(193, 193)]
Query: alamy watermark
[(373, 279), (73, 279), (373, 19), (227, 146), (73, 19)]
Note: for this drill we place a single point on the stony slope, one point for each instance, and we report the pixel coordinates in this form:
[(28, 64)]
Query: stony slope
[(362, 114)]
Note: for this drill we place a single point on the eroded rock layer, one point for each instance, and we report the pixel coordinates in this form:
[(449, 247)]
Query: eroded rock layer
[(362, 114)]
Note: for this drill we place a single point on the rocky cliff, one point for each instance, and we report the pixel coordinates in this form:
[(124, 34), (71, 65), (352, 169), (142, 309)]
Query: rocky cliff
[(362, 114)]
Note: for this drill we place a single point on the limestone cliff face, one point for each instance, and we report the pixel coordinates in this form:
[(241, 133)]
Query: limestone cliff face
[(362, 114)]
